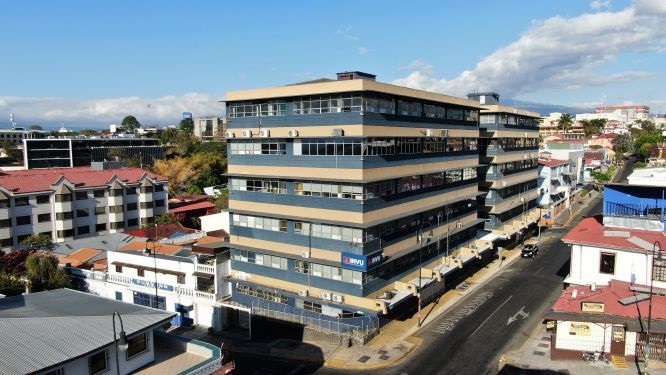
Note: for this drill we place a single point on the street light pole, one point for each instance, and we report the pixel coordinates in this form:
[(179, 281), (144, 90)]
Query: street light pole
[(420, 239), (655, 246), (121, 341)]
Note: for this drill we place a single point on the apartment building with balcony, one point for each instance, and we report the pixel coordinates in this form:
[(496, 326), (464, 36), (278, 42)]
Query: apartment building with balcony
[(554, 185), (509, 148), (189, 280), (71, 203), (209, 128), (340, 190)]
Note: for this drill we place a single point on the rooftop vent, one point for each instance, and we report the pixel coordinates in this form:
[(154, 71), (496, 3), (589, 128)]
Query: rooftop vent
[(347, 76)]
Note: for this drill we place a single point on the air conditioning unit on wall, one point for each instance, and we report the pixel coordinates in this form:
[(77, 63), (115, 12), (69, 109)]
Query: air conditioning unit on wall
[(229, 135), (338, 298), (326, 296), (460, 225), (303, 293), (292, 133), (264, 133), (247, 133)]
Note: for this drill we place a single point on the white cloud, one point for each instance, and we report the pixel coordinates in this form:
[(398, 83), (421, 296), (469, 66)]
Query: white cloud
[(557, 53), (167, 109), (362, 50), (598, 4)]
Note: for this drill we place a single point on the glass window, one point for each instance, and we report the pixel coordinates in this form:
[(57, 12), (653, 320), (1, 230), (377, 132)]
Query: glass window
[(137, 345), (100, 227), (99, 194), (607, 263), (41, 218), (97, 363), (81, 195), (41, 199), (22, 220), (63, 197), (100, 210), (21, 201)]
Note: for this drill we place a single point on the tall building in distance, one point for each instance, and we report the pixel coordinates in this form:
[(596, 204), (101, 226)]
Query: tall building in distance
[(347, 195), (509, 140), (208, 128), (78, 152)]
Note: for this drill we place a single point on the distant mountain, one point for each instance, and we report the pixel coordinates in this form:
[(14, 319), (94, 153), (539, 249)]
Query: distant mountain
[(544, 109)]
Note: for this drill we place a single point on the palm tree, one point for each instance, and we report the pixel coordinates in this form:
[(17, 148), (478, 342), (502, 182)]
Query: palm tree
[(565, 122)]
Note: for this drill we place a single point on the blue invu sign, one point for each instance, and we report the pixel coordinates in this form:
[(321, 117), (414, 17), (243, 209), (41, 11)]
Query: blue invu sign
[(151, 284), (361, 262)]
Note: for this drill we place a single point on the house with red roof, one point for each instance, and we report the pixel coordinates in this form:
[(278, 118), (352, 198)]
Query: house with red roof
[(617, 271), (71, 203)]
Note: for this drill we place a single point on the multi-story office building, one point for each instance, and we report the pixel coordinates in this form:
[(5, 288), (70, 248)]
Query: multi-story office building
[(340, 190), (77, 152), (509, 146), (208, 128), (17, 135), (79, 202)]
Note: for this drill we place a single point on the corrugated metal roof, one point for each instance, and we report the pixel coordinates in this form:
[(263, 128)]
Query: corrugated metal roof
[(44, 329)]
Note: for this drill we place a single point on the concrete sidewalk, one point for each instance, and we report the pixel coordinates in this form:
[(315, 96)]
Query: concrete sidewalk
[(535, 355)]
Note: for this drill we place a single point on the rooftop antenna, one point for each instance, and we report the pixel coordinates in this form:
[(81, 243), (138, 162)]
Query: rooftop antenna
[(11, 120)]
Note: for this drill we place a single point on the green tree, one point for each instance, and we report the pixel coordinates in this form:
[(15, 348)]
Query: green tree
[(166, 218), (623, 144), (185, 144), (14, 262), (221, 201), (115, 153), (11, 150), (89, 132), (565, 122), (169, 136), (129, 124), (211, 167), (37, 241), (36, 127), (647, 142), (43, 273), (187, 125), (602, 177), (593, 127), (647, 125), (10, 285)]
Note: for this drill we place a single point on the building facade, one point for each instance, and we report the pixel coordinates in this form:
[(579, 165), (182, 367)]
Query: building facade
[(208, 128), (77, 202), (509, 151), (78, 152), (554, 185), (616, 280), (340, 190)]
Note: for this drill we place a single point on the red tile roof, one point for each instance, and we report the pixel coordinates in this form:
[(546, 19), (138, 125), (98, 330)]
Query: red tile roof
[(192, 207), (610, 296), (591, 231), (33, 180), (162, 231), (552, 162), (607, 135)]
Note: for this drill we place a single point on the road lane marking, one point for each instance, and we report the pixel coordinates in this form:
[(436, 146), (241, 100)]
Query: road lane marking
[(451, 320), (489, 316)]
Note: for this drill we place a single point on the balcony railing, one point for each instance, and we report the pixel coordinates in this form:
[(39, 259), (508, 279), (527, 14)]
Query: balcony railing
[(205, 268), (126, 280)]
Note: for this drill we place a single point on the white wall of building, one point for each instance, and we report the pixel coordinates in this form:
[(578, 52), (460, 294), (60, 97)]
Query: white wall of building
[(587, 337), (81, 366), (630, 266), (215, 222)]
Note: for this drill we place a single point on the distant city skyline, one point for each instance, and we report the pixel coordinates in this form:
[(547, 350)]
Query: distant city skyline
[(81, 63)]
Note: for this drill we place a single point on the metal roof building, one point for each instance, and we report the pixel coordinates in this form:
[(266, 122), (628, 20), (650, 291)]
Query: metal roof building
[(66, 330)]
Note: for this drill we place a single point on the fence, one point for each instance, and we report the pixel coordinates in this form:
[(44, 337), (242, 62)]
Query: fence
[(360, 333)]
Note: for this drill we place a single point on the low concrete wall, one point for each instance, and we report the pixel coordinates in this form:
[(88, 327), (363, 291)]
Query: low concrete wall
[(212, 353)]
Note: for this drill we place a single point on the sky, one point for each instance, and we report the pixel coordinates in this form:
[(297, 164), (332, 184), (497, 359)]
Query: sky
[(91, 63)]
